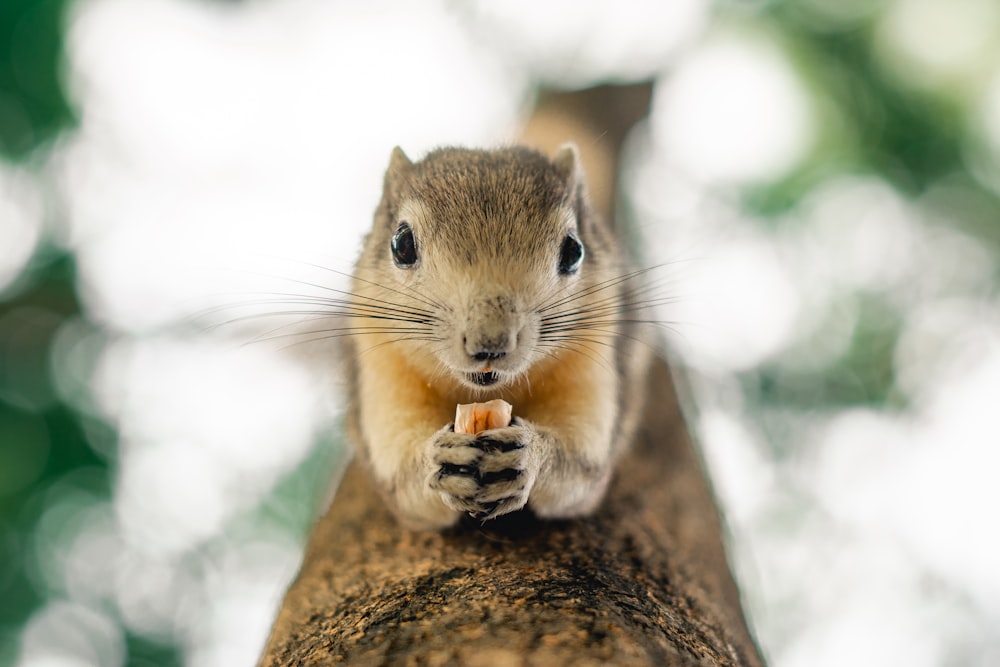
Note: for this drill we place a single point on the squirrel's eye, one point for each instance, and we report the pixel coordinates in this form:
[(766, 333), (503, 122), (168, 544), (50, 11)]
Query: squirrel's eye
[(570, 255), (404, 247)]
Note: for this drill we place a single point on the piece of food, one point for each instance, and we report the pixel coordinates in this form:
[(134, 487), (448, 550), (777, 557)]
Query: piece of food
[(473, 418)]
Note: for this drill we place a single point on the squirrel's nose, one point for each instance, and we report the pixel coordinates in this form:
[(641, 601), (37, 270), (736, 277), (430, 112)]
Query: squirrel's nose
[(489, 355), (490, 348)]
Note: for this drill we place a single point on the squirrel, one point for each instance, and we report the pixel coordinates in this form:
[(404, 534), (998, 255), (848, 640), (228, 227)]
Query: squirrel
[(488, 274)]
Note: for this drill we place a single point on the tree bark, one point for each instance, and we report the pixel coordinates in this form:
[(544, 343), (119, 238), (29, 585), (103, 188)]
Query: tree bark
[(642, 582)]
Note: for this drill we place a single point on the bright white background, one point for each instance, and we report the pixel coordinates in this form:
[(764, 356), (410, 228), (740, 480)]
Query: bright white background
[(224, 145)]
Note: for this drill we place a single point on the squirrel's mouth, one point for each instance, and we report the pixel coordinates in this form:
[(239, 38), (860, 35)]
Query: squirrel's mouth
[(483, 378)]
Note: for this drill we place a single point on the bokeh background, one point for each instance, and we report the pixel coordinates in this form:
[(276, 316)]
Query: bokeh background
[(822, 178)]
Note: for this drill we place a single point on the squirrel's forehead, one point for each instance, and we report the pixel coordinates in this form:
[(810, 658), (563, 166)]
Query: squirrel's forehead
[(432, 218), (474, 189)]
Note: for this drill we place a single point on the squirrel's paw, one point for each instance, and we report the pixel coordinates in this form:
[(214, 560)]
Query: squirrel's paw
[(484, 475)]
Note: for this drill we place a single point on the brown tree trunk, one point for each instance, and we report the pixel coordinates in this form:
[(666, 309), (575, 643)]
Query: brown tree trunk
[(643, 582)]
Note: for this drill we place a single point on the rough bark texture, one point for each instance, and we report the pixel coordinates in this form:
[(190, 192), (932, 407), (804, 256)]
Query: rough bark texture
[(643, 582)]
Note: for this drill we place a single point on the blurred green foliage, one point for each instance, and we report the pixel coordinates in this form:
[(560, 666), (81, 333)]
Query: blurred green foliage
[(913, 139), (33, 108), (42, 439), (910, 138)]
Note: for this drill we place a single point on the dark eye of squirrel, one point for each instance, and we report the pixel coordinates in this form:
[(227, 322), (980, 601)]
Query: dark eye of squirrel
[(404, 247), (570, 255)]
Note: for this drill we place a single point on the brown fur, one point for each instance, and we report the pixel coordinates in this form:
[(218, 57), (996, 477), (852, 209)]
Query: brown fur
[(489, 226)]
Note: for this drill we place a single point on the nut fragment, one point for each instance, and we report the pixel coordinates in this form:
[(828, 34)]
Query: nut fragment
[(473, 418)]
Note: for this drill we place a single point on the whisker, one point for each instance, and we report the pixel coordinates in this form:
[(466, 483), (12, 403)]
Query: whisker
[(578, 348), (614, 303), (610, 310), (282, 327), (576, 338), (602, 319), (294, 298), (574, 333), (593, 289), (343, 331), (353, 295), (317, 315), (413, 293), (322, 338), (396, 340)]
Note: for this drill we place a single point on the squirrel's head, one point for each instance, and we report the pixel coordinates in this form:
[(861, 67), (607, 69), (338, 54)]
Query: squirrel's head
[(477, 248)]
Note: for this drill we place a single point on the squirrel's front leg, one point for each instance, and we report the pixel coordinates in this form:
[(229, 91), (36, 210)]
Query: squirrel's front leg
[(573, 474), (558, 462), (488, 474), (428, 474), (398, 425), (430, 482), (557, 474)]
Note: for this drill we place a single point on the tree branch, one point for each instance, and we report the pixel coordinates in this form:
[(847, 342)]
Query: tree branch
[(643, 582)]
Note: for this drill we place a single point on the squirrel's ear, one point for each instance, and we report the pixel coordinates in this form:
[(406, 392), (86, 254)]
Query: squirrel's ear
[(399, 166), (567, 164), (399, 160)]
